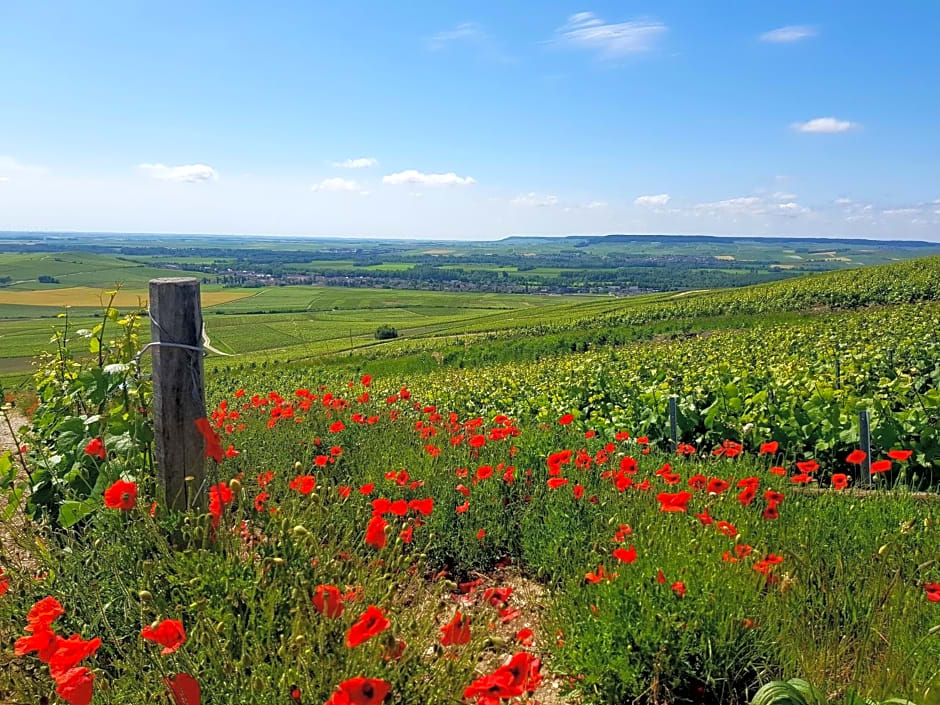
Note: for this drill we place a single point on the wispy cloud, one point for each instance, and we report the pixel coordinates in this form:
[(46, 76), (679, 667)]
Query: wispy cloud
[(185, 173), (750, 206), (825, 125), (470, 34), (790, 33), (413, 176), (657, 201), (535, 200), (585, 30), (596, 204), (359, 163), (336, 184), (9, 165)]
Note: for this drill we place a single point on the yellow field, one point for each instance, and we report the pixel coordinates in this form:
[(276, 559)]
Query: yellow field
[(90, 296)]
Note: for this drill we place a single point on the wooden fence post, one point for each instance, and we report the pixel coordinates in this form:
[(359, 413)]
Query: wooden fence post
[(179, 396), (673, 422), (864, 440)]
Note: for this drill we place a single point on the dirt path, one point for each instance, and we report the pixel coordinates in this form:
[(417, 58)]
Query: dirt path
[(6, 440)]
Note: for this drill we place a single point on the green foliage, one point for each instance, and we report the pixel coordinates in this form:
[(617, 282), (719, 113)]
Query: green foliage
[(98, 396), (385, 332)]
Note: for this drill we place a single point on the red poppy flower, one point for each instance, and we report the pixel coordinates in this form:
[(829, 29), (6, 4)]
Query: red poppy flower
[(366, 380), (840, 481), (366, 489), (75, 686), (674, 502), (555, 482), (68, 653), (169, 634), (525, 636), (901, 455), (371, 622), (213, 445), (880, 466), (769, 448), (461, 508), (121, 495), (520, 675), (95, 447), (184, 689), (375, 532), (660, 577), (807, 466), (856, 457), (771, 512), (566, 419), (678, 587), (4, 584), (601, 574), (42, 640), (328, 600), (726, 528), (933, 591), (407, 535), (360, 691), (777, 470), (716, 485), (43, 613), (305, 484), (625, 555), (457, 631), (336, 427)]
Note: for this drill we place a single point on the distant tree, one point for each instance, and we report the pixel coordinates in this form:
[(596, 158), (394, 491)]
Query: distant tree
[(47, 279), (385, 332)]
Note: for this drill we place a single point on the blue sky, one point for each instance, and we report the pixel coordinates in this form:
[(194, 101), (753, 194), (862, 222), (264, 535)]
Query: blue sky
[(471, 120)]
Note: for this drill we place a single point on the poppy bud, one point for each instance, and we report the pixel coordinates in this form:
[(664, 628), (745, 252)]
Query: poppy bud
[(145, 596), (235, 485), (220, 627), (495, 641), (277, 560), (298, 465), (300, 639), (883, 550)]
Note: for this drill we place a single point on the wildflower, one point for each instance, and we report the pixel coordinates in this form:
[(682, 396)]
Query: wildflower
[(213, 444), (169, 634), (901, 455), (520, 675), (96, 448), (556, 482), (856, 457), (525, 636), (183, 688), (121, 495), (305, 484), (678, 588), (328, 600), (43, 613), (677, 502), (337, 426), (625, 555), (75, 686), (4, 584), (933, 591), (457, 631), (727, 529), (880, 466), (840, 481), (566, 419), (375, 532), (769, 448), (371, 623), (807, 466), (360, 691)]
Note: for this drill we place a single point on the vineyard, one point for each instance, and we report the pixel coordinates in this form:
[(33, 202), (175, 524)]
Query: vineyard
[(492, 511)]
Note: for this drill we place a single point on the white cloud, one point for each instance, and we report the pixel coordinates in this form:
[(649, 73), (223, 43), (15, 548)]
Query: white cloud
[(843, 201), (750, 206), (825, 125), (586, 30), (790, 33), (535, 200), (659, 200), (783, 196), (4, 179), (359, 163), (466, 31), (900, 211), (335, 184), (472, 34), (596, 204), (9, 165), (413, 176), (187, 173)]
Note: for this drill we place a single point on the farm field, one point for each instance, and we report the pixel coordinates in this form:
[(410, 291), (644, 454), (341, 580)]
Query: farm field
[(499, 485)]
